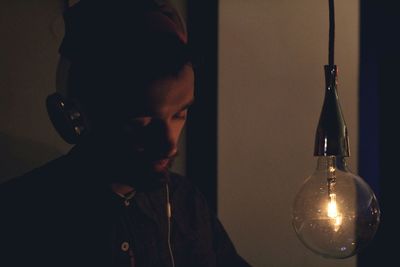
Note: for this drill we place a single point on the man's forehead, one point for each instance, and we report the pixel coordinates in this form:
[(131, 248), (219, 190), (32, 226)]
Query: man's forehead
[(163, 94)]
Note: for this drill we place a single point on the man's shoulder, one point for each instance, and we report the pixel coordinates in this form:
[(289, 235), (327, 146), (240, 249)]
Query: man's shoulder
[(35, 178)]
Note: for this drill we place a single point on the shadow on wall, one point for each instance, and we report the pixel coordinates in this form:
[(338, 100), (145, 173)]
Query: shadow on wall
[(20, 155)]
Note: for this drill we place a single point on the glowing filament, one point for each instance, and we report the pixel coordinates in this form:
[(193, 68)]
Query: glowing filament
[(333, 212)]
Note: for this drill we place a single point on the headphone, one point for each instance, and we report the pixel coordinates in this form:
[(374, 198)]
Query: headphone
[(66, 114)]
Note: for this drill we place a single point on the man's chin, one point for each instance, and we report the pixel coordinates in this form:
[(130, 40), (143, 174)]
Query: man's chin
[(135, 170), (160, 166)]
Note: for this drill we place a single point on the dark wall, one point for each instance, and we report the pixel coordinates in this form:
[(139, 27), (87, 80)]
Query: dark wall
[(379, 145), (202, 124)]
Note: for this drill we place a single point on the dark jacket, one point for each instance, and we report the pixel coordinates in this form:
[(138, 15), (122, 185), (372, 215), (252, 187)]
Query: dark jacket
[(62, 214)]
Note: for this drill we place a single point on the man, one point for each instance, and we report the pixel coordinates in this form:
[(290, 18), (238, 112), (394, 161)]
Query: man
[(112, 201)]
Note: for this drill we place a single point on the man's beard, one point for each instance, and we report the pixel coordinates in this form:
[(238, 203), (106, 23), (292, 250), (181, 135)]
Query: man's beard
[(136, 169)]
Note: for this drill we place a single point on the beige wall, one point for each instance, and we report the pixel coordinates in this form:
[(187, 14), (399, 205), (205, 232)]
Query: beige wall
[(271, 85), (30, 33)]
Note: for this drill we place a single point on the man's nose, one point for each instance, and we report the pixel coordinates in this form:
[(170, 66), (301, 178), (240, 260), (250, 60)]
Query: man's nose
[(164, 140)]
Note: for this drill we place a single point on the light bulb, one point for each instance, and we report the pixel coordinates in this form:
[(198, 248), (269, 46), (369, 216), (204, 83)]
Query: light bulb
[(335, 213)]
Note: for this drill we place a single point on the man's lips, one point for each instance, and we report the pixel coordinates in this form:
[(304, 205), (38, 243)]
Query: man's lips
[(156, 163), (160, 164)]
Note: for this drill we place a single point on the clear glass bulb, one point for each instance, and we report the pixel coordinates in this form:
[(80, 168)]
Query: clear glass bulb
[(335, 213)]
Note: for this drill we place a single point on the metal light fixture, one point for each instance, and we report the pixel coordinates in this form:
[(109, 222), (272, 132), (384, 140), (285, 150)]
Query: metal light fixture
[(335, 213)]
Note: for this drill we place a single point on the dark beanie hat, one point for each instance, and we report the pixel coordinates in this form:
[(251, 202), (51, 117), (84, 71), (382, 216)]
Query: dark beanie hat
[(97, 27), (116, 47)]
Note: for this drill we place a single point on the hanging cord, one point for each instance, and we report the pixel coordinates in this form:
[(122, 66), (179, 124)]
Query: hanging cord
[(331, 32), (169, 215)]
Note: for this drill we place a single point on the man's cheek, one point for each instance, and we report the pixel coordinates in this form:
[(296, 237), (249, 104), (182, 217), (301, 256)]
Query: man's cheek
[(132, 141)]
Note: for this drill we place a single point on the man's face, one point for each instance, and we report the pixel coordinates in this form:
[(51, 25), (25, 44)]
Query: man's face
[(148, 140), (154, 131)]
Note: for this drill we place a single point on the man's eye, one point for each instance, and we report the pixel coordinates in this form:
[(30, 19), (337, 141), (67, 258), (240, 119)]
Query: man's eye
[(181, 115), (141, 121)]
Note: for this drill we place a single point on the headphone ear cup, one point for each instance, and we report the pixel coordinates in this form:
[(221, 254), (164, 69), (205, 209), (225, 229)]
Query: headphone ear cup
[(66, 118)]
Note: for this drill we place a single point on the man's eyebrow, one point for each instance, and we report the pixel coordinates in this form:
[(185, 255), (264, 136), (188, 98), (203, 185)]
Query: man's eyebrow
[(186, 106)]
